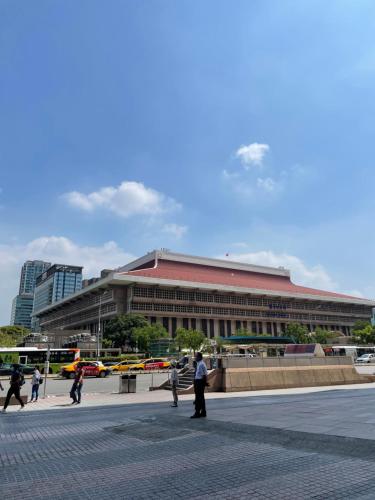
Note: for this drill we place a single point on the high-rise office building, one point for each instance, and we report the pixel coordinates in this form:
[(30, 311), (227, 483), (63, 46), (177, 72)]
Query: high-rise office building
[(29, 273), (55, 284), (22, 305)]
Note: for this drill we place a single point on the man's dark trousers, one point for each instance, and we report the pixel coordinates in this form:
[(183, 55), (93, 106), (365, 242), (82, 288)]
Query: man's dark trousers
[(13, 389), (200, 404)]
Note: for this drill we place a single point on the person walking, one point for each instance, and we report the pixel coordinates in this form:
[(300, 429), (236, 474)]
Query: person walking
[(200, 382), (35, 382), (174, 382), (16, 381), (75, 392)]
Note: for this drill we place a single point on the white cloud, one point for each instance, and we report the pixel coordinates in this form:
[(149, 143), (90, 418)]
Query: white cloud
[(267, 184), (230, 175), (127, 200), (252, 154), (314, 276), (175, 230), (55, 249)]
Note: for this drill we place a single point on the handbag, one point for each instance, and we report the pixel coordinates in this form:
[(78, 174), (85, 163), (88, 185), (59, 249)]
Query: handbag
[(40, 381)]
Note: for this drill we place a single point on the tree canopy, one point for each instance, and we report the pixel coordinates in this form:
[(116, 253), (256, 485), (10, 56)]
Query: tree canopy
[(144, 335), (298, 332), (119, 330), (11, 335), (243, 332), (321, 336), (190, 339), (363, 333)]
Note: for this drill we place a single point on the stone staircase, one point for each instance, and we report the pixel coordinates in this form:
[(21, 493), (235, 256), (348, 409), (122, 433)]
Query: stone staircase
[(185, 380)]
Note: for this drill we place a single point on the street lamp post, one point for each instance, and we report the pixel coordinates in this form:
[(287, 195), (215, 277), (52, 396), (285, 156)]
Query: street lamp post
[(99, 329), (46, 370)]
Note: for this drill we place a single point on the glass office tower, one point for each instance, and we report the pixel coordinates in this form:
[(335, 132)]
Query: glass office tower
[(29, 273), (55, 284), (22, 305)]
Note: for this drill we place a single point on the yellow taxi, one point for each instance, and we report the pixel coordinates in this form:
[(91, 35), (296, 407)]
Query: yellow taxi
[(152, 364), (90, 369), (123, 366)]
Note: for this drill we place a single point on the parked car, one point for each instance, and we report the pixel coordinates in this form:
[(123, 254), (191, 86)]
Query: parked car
[(152, 364), (123, 366), (90, 369), (366, 358), (7, 369)]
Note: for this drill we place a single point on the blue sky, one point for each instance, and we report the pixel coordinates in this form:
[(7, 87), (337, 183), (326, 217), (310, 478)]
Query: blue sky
[(205, 127)]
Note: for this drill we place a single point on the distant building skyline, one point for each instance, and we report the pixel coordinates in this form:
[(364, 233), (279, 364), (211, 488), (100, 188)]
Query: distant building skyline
[(22, 304), (29, 273), (56, 283), (22, 307)]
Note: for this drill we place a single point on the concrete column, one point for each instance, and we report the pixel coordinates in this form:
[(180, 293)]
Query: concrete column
[(179, 323), (216, 328)]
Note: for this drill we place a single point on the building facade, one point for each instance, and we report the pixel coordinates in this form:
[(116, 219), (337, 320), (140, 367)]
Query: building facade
[(56, 283), (22, 305), (22, 308), (29, 273), (216, 296)]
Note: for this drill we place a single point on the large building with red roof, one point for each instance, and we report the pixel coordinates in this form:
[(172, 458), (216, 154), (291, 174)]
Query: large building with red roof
[(216, 296)]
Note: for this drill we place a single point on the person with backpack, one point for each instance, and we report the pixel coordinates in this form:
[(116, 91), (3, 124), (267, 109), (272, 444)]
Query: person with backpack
[(75, 392), (35, 382), (16, 382)]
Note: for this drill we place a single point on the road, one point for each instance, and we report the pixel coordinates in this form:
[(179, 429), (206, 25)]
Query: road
[(306, 446), (58, 386)]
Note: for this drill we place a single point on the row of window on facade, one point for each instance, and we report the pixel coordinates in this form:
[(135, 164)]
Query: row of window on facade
[(216, 311), (197, 296)]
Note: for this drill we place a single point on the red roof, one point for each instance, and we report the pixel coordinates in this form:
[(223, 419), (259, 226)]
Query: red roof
[(181, 271)]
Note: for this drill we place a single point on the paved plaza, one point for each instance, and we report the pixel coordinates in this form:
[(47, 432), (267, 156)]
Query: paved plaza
[(289, 446)]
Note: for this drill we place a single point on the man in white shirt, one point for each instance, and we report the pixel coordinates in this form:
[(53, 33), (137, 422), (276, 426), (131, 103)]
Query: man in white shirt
[(174, 383), (200, 382)]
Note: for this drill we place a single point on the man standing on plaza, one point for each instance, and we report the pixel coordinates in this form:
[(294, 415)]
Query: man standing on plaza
[(16, 381), (200, 382), (75, 392), (174, 383)]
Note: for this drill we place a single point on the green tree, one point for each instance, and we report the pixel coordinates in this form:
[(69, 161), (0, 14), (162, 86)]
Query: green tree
[(365, 335), (190, 339), (298, 332), (12, 335), (321, 336), (119, 330), (144, 335), (6, 340), (243, 332), (360, 325), (209, 348)]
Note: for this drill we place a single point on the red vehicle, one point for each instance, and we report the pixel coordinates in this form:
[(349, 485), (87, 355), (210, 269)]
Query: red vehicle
[(151, 364), (90, 369), (156, 364)]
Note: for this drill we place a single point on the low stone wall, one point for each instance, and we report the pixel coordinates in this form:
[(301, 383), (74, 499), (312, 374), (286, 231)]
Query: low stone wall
[(253, 379)]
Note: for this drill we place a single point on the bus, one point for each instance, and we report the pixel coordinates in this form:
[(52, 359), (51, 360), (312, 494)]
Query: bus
[(35, 356), (348, 350)]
